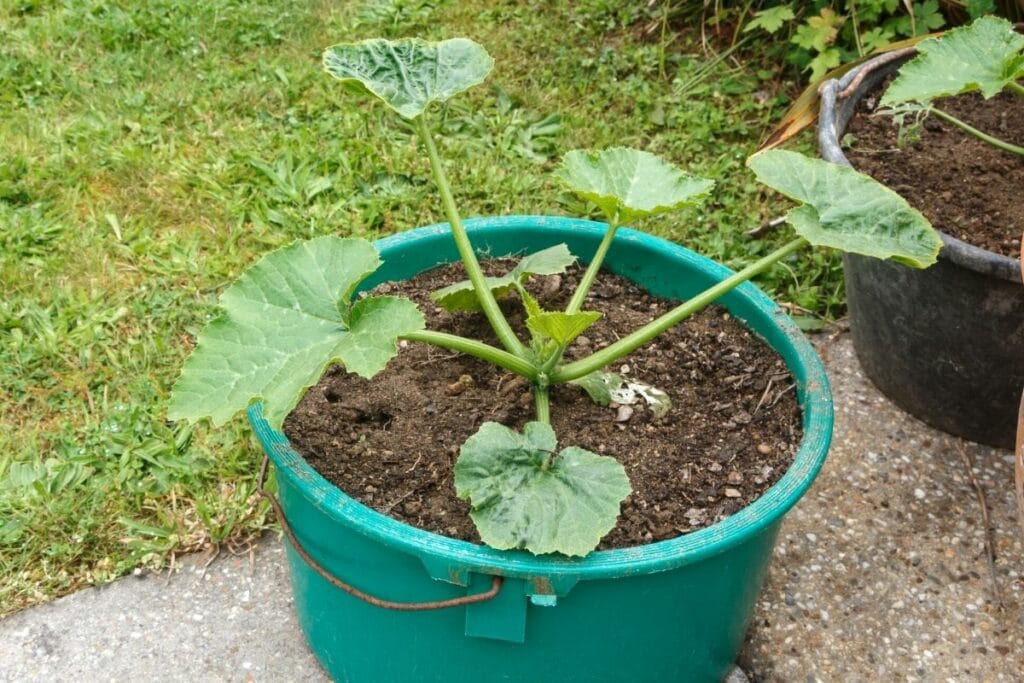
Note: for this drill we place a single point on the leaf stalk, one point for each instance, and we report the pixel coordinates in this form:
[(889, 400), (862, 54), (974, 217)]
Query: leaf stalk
[(613, 352), (985, 137), (472, 347), (595, 265), (487, 301)]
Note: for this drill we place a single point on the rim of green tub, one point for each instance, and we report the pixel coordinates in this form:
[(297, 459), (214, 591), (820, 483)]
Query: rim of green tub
[(817, 417)]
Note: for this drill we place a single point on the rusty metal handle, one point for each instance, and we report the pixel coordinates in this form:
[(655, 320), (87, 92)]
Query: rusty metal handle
[(496, 581)]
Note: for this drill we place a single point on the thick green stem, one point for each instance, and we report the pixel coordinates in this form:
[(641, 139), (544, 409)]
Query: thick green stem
[(542, 401), (472, 347), (476, 276), (1016, 88), (595, 265), (611, 353), (995, 142)]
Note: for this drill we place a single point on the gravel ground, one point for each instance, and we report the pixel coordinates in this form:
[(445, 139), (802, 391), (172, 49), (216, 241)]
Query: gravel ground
[(880, 575)]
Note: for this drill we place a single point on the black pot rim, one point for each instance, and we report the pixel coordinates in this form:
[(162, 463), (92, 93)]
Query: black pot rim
[(954, 250)]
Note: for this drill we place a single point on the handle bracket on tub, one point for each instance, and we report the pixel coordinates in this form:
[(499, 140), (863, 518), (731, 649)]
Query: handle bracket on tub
[(496, 581)]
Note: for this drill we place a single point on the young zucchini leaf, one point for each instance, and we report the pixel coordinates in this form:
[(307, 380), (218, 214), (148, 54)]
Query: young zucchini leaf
[(282, 323), (410, 74), (629, 183), (461, 297), (847, 210), (561, 328), (985, 55), (524, 496)]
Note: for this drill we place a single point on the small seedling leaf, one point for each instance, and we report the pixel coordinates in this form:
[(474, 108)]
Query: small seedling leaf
[(282, 323), (630, 183), (550, 261), (560, 327), (847, 210), (461, 296), (522, 497), (410, 74), (985, 55)]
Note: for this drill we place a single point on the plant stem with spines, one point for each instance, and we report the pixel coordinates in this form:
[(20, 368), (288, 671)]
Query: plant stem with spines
[(613, 352), (476, 276)]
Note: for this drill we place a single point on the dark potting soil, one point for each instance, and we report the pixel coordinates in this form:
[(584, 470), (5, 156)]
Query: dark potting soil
[(965, 187), (732, 431)]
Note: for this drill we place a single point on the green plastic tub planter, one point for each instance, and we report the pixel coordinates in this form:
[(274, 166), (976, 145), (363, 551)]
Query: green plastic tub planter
[(944, 343), (670, 611)]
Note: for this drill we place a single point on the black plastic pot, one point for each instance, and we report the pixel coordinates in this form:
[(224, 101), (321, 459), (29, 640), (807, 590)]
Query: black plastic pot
[(945, 343)]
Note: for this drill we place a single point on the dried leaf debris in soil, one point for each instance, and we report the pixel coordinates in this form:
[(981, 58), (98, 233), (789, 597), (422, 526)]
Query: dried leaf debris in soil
[(733, 429)]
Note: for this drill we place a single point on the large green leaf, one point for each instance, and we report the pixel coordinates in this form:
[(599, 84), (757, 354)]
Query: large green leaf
[(409, 74), (985, 56), (282, 323), (848, 210), (461, 296), (629, 183), (524, 496)]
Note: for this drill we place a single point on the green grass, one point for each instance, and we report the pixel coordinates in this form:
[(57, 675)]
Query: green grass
[(150, 150)]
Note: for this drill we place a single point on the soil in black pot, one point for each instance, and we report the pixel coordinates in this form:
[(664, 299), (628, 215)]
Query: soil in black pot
[(731, 433), (965, 187)]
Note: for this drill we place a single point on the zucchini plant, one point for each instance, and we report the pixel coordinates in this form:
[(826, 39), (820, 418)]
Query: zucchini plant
[(295, 312), (986, 56)]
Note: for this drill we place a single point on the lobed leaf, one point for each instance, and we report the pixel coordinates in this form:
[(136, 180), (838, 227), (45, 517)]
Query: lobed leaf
[(629, 183), (461, 296), (847, 210), (770, 19), (985, 55), (409, 74), (554, 326), (560, 327), (282, 323), (521, 497)]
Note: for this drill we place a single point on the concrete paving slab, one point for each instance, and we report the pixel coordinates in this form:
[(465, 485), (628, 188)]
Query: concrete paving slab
[(231, 621), (880, 575)]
